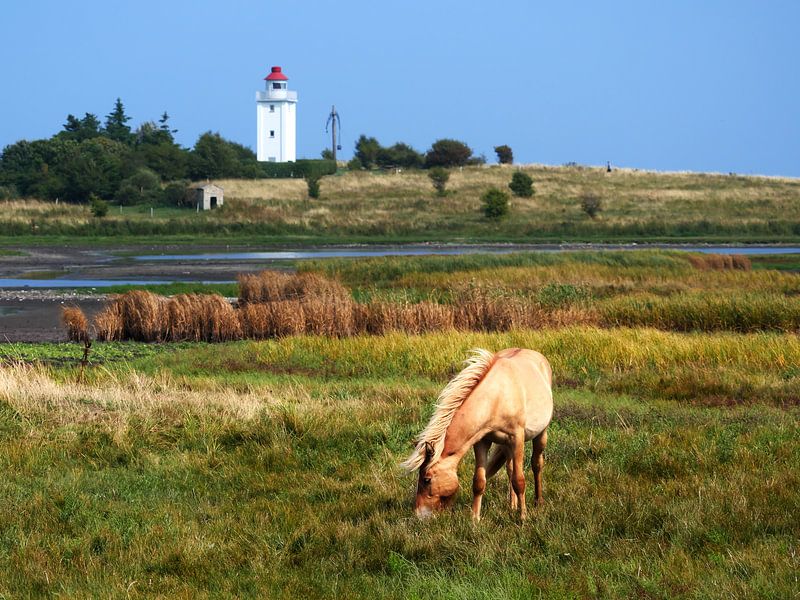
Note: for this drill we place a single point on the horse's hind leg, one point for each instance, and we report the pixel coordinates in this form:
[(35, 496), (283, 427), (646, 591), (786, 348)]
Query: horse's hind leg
[(512, 496), (518, 468), (537, 462), (479, 480)]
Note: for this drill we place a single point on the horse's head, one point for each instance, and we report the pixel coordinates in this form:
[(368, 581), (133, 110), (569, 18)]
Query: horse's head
[(437, 486)]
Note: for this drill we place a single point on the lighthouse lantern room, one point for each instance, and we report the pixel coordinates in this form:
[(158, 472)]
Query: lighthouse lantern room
[(276, 114)]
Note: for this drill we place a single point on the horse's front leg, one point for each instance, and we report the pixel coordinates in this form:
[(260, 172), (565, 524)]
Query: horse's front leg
[(479, 480), (518, 468)]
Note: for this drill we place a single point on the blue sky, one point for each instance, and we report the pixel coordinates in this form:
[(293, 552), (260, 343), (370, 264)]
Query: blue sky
[(678, 85)]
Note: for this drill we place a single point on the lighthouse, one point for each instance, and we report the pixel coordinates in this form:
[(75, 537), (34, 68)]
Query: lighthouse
[(276, 116)]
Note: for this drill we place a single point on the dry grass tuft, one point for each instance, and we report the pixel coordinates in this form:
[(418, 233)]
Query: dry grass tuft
[(720, 262), (76, 322), (201, 317), (272, 286), (272, 319)]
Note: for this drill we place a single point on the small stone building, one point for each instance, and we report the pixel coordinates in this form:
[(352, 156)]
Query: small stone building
[(208, 196)]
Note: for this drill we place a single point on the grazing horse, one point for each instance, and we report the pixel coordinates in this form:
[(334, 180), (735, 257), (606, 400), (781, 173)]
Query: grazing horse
[(504, 399)]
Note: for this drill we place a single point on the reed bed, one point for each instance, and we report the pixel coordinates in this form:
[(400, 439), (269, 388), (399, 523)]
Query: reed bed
[(294, 310)]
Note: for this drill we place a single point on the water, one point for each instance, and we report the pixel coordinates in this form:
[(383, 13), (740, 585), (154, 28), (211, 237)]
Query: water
[(428, 251), (82, 283)]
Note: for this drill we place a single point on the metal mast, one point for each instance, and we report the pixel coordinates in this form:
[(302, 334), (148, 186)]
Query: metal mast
[(333, 123)]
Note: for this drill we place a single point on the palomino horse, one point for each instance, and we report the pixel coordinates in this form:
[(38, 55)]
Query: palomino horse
[(504, 399)]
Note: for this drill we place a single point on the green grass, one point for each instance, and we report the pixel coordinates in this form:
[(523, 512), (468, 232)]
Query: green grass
[(372, 207), (779, 262), (284, 482), (228, 290)]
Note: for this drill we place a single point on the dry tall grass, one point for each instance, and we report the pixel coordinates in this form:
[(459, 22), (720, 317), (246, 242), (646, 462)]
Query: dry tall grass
[(76, 323), (271, 286), (720, 262)]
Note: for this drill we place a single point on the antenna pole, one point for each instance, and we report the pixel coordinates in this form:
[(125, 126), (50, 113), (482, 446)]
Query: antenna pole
[(334, 118)]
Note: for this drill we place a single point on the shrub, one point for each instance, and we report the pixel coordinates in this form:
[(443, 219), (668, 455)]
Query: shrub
[(591, 205), (327, 154), (439, 178), (448, 153), (98, 206), (313, 186), (354, 164), (176, 193), (505, 156), (495, 203), (399, 155), (521, 184)]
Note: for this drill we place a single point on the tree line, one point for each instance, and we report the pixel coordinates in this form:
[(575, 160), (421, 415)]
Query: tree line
[(113, 161)]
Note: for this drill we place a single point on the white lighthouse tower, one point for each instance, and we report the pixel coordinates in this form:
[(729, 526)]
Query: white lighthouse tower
[(276, 110)]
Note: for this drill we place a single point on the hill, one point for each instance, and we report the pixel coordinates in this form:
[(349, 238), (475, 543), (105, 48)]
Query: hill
[(380, 206)]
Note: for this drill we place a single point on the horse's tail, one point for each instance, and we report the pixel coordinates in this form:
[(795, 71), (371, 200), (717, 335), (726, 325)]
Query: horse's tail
[(450, 399)]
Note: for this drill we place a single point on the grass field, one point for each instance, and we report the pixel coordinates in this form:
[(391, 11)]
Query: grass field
[(389, 207), (270, 468)]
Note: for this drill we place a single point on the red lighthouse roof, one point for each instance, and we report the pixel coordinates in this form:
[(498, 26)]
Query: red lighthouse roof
[(276, 75)]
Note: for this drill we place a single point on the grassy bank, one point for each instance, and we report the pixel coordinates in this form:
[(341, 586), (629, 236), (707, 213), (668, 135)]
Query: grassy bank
[(383, 207), (270, 469)]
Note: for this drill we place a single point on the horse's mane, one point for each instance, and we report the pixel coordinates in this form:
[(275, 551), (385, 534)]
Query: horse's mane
[(450, 399)]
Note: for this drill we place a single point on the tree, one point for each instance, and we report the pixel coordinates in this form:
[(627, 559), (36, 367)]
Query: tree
[(504, 154), (327, 154), (144, 186), (213, 157), (80, 129), (367, 151), (163, 125), (94, 166), (495, 203), (116, 126), (439, 178), (447, 153), (521, 184)]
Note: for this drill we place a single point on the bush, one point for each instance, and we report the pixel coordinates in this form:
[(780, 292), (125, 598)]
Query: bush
[(367, 151), (505, 156), (591, 205), (521, 184), (327, 154), (176, 193), (354, 164), (313, 186), (439, 178), (98, 206), (448, 153), (399, 155), (495, 203)]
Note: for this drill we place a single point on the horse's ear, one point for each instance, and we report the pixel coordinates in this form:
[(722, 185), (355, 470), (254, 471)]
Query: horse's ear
[(428, 450)]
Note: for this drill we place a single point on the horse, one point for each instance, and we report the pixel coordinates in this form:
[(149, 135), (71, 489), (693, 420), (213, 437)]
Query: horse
[(504, 399)]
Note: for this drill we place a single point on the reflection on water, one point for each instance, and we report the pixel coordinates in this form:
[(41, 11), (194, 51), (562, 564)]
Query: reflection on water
[(428, 251)]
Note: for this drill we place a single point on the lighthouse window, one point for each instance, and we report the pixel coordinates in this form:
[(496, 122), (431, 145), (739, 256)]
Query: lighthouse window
[(272, 133), (271, 108), (276, 85)]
